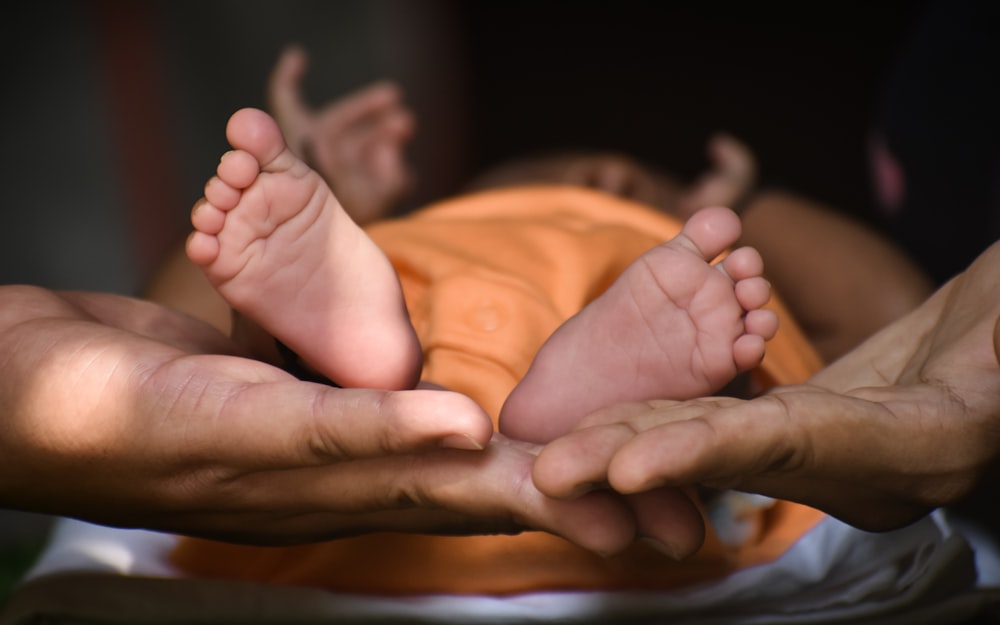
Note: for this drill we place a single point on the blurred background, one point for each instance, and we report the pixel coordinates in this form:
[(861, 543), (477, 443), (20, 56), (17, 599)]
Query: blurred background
[(114, 112)]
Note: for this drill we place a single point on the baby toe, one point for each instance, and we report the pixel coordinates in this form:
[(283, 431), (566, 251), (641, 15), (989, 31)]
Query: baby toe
[(752, 293), (748, 351), (762, 323), (238, 169), (221, 195), (743, 263), (207, 218)]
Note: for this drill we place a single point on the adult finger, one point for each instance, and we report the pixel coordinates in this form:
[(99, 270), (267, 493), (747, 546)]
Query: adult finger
[(579, 461), (242, 414), (668, 519), (850, 457), (438, 491)]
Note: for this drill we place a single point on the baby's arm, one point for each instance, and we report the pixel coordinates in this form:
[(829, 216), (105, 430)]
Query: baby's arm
[(840, 279)]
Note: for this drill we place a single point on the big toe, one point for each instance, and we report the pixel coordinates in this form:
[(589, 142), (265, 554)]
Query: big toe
[(256, 132), (763, 323), (711, 230), (748, 351)]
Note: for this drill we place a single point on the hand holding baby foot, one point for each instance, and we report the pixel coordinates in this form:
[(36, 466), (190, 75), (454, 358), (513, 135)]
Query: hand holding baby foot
[(671, 326), (899, 426)]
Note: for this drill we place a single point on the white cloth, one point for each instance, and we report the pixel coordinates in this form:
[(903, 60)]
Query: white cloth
[(924, 573)]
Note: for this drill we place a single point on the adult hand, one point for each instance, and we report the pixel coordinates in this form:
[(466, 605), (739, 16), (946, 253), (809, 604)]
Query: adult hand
[(905, 423), (125, 413)]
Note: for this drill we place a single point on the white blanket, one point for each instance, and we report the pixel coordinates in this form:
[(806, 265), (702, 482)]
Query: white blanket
[(929, 572)]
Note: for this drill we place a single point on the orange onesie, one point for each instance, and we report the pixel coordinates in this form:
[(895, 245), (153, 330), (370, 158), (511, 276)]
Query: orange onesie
[(487, 278)]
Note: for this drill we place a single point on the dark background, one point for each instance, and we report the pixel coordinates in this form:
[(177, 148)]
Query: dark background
[(799, 82), (114, 111)]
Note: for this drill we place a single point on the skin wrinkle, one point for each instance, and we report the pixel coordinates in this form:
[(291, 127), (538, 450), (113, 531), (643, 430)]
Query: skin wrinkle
[(251, 490), (795, 457), (323, 444), (390, 440), (148, 378), (883, 378), (207, 470), (706, 423), (924, 494), (523, 485), (186, 396), (17, 347), (195, 488), (409, 494), (645, 463), (632, 431), (524, 489), (268, 228), (960, 479), (665, 292), (72, 429)]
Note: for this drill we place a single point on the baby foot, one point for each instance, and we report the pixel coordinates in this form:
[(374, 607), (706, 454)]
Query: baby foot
[(672, 326), (276, 244), (355, 143)]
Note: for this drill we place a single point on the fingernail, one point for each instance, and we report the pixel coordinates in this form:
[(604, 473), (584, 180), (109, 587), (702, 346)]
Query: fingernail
[(461, 441), (670, 551)]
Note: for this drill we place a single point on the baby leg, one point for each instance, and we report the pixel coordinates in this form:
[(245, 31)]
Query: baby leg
[(672, 326), (277, 245)]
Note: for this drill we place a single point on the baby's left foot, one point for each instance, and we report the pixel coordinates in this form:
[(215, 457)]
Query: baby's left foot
[(672, 326), (280, 249)]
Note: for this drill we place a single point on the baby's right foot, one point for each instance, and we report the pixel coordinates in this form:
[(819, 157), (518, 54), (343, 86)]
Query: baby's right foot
[(276, 244), (672, 326)]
